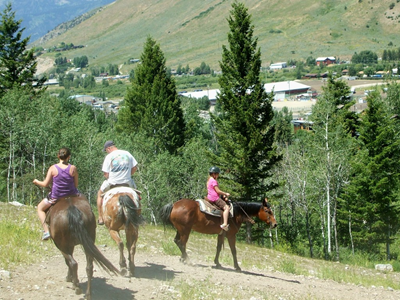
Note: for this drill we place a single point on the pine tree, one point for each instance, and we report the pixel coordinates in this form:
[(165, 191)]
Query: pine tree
[(17, 64), (244, 129), (152, 105), (371, 198)]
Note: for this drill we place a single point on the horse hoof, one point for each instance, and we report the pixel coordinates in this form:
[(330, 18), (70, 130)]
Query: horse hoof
[(78, 291), (124, 271), (218, 266), (238, 269)]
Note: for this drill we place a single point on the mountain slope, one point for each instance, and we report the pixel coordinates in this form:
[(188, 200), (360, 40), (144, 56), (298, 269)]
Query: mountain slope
[(191, 31), (40, 16)]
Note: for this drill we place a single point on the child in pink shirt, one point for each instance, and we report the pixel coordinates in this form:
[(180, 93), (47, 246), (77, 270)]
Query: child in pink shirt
[(214, 194)]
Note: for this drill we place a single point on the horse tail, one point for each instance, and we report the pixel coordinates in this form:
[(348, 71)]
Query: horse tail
[(80, 233), (165, 214), (132, 214)]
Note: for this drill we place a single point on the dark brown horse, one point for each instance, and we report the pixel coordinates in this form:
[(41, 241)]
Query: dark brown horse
[(72, 222), (185, 215), (121, 210)]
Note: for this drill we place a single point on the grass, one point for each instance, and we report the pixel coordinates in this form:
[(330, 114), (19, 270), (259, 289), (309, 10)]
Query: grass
[(20, 244), (20, 234), (190, 31)]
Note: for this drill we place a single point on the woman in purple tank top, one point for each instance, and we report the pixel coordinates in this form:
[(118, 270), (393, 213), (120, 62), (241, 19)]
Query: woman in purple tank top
[(65, 183)]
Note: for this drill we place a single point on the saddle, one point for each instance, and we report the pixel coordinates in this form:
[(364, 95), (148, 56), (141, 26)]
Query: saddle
[(123, 189), (211, 209)]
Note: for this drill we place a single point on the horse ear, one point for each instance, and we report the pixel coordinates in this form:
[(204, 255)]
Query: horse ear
[(265, 202)]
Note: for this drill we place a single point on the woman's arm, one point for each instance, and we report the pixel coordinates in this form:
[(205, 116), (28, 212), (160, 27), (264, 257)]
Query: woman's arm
[(74, 173), (47, 180)]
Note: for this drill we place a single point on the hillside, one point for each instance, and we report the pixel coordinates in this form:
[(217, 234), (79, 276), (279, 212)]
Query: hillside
[(40, 16), (190, 31)]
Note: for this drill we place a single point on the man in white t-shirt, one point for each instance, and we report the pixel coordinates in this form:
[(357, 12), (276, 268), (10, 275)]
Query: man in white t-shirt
[(118, 167)]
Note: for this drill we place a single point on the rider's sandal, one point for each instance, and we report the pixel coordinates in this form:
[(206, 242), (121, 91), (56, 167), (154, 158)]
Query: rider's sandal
[(225, 227), (45, 236), (100, 222)]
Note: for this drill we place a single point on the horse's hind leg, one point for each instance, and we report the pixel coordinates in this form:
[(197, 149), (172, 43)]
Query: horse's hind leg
[(131, 238), (181, 240), (72, 275), (122, 261), (220, 242), (89, 273)]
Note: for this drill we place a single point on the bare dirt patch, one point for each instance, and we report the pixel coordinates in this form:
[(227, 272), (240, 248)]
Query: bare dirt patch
[(44, 64), (161, 276)]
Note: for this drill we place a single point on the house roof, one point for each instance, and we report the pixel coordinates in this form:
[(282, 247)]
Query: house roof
[(211, 94), (284, 86), (325, 58)]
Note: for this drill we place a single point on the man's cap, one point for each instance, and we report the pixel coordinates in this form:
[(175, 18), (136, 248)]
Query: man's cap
[(108, 144)]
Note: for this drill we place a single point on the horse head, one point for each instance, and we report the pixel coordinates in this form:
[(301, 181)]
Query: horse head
[(266, 214)]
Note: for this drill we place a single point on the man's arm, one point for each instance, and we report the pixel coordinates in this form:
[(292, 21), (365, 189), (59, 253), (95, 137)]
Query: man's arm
[(133, 170)]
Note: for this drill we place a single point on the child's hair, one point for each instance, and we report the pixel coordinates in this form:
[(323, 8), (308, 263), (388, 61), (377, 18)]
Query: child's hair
[(63, 153)]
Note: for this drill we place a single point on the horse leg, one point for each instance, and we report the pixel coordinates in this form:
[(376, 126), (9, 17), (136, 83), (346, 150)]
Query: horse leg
[(232, 245), (72, 275), (181, 240), (89, 273), (220, 242), (122, 261), (131, 239)]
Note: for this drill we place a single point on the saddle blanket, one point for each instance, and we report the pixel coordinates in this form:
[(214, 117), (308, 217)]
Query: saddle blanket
[(211, 209), (122, 190)]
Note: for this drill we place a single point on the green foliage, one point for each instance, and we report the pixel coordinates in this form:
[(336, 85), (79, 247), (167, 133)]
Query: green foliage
[(283, 126), (371, 199), (364, 57), (196, 126), (243, 129), (203, 69), (152, 105), (52, 123), (18, 64), (81, 62), (195, 82)]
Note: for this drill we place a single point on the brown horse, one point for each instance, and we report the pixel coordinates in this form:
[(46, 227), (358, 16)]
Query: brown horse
[(185, 215), (122, 210), (72, 222)]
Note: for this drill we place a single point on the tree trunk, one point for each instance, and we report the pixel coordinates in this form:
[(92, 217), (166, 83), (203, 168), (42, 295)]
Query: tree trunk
[(351, 235), (335, 232), (328, 183), (248, 232), (310, 242), (388, 256)]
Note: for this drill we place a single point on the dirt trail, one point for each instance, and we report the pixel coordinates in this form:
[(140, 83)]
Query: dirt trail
[(159, 276)]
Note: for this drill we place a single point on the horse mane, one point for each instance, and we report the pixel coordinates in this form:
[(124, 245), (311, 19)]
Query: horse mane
[(251, 208)]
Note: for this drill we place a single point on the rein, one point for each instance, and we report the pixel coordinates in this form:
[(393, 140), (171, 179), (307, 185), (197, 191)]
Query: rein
[(248, 217)]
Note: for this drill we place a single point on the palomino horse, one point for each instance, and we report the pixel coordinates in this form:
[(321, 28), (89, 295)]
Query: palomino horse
[(122, 210), (185, 215), (72, 222)]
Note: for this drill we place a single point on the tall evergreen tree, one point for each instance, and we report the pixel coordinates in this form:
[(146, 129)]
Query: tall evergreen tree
[(152, 105), (17, 64), (244, 129), (371, 198)]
